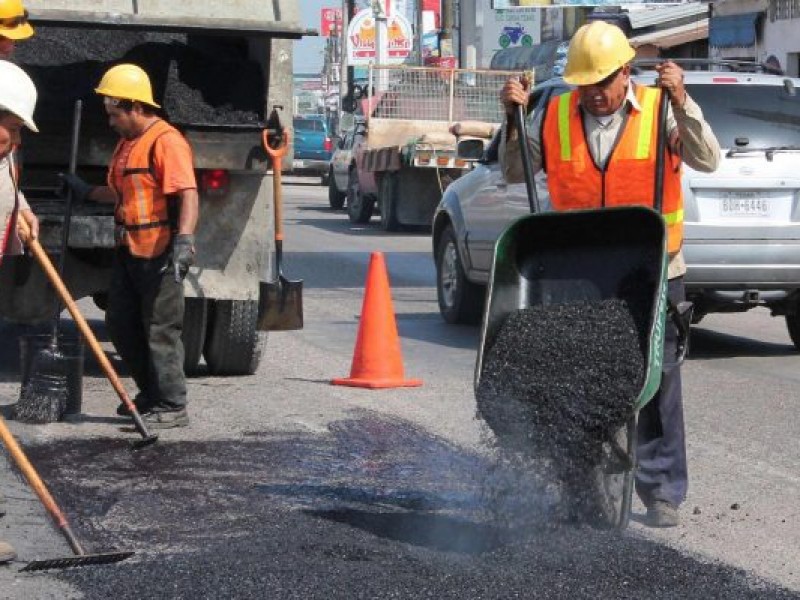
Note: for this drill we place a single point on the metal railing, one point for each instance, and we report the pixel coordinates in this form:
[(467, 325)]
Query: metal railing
[(436, 94)]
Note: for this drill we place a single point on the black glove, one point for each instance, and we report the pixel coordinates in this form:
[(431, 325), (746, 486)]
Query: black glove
[(79, 188), (182, 255)]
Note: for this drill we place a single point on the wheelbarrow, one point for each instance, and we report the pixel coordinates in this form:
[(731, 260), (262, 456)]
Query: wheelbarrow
[(590, 255), (537, 263)]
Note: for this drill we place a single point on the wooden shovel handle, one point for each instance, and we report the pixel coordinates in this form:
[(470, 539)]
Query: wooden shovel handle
[(83, 326), (35, 481), (277, 155)]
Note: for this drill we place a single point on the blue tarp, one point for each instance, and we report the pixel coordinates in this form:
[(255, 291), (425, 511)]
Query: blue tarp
[(733, 31)]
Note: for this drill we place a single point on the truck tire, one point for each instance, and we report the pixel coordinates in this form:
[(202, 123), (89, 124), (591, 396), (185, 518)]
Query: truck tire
[(387, 199), (195, 321), (233, 344), (359, 206), (460, 300), (335, 197)]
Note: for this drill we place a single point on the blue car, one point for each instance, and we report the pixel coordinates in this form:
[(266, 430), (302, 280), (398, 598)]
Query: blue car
[(313, 146)]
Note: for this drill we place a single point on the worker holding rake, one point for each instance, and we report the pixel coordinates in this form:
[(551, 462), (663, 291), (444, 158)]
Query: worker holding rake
[(17, 101), (598, 145)]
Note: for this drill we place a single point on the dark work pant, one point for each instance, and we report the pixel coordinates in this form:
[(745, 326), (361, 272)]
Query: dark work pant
[(145, 320), (661, 442)]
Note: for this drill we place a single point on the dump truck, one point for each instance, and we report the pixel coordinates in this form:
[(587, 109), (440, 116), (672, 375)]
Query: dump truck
[(426, 127), (226, 84)]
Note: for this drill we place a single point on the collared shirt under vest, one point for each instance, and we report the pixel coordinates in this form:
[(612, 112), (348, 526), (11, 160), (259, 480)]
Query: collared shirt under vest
[(143, 212), (576, 181)]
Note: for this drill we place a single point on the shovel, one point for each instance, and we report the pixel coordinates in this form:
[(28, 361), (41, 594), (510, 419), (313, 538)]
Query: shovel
[(81, 558), (280, 301), (88, 335)]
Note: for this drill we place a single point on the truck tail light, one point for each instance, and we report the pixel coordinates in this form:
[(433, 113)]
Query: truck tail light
[(328, 145), (215, 182)]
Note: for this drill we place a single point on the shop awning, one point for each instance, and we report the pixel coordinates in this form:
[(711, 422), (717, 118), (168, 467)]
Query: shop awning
[(734, 31), (673, 36)]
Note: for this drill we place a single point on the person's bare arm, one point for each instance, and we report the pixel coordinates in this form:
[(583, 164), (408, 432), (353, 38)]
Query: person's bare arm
[(189, 203)]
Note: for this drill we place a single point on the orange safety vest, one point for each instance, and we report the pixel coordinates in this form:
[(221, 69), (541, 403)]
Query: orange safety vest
[(143, 214), (576, 181)]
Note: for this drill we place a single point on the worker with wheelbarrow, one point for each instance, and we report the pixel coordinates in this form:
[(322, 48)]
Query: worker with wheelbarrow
[(596, 146)]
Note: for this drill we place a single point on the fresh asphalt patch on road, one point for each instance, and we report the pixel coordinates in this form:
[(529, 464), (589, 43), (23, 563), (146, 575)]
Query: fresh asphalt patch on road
[(375, 507)]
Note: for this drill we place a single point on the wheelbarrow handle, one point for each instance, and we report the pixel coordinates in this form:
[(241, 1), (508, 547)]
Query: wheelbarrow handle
[(527, 167), (681, 316), (281, 150)]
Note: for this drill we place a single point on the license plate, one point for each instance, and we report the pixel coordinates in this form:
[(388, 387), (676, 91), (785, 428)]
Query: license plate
[(744, 204), (298, 164)]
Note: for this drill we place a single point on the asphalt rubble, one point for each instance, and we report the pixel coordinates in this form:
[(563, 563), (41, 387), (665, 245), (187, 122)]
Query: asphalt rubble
[(375, 508), (195, 79), (557, 383)]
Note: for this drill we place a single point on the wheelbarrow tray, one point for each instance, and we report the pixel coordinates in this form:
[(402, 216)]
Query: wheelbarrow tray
[(586, 255)]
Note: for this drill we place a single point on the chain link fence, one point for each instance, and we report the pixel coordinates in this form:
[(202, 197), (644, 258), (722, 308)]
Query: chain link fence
[(435, 94)]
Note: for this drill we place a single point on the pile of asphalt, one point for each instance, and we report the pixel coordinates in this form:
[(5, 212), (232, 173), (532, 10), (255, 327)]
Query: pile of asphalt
[(196, 80), (375, 508), (558, 381)]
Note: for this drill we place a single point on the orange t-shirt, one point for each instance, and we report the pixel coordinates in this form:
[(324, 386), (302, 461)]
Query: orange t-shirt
[(172, 160)]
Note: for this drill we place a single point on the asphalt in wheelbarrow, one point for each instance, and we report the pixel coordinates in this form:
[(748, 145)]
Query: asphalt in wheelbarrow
[(373, 508), (558, 381)]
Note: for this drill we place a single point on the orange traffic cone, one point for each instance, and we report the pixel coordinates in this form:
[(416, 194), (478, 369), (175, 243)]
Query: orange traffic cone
[(377, 362)]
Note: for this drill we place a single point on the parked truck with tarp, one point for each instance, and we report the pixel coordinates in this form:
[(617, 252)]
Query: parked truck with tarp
[(226, 84), (425, 127)]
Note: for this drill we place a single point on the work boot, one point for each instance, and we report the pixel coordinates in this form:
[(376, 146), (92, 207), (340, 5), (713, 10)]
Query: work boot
[(661, 513), (7, 553), (166, 419), (141, 402)]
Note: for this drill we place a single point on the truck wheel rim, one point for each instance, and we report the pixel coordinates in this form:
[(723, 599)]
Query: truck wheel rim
[(449, 276)]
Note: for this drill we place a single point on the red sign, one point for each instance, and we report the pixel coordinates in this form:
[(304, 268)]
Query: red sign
[(331, 21)]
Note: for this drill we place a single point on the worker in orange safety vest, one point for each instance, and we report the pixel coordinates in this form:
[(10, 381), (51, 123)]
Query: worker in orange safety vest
[(151, 182), (597, 144)]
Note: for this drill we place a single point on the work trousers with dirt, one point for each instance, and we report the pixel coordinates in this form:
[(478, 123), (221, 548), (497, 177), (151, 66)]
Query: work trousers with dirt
[(661, 440), (145, 320)]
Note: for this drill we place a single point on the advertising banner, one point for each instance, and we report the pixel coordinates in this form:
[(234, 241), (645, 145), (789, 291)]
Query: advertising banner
[(509, 28), (361, 39), (519, 4), (330, 21)]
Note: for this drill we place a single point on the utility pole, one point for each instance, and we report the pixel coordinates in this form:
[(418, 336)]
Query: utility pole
[(446, 33), (418, 26), (346, 71), (381, 42)]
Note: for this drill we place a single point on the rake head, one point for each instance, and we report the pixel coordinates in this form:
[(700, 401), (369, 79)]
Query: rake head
[(77, 561)]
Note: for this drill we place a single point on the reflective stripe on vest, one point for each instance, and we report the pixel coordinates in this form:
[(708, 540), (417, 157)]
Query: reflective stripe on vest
[(143, 210), (575, 181)]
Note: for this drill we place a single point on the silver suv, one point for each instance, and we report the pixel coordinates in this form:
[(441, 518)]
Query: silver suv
[(742, 222)]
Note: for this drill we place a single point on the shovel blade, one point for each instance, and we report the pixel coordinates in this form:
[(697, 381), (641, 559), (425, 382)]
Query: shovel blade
[(77, 561), (280, 305)]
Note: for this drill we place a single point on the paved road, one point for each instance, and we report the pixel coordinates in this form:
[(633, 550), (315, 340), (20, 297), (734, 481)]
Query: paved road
[(285, 486)]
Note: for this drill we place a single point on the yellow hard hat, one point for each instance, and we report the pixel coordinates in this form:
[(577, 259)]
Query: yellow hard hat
[(127, 82), (14, 20), (595, 52)]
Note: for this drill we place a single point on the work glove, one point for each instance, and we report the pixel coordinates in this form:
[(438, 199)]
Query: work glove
[(182, 255), (79, 188)]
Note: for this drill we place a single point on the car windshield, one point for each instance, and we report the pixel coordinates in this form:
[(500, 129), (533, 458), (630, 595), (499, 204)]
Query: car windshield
[(764, 114), (309, 124)]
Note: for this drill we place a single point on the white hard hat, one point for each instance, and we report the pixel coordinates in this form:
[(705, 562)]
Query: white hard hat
[(17, 93)]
